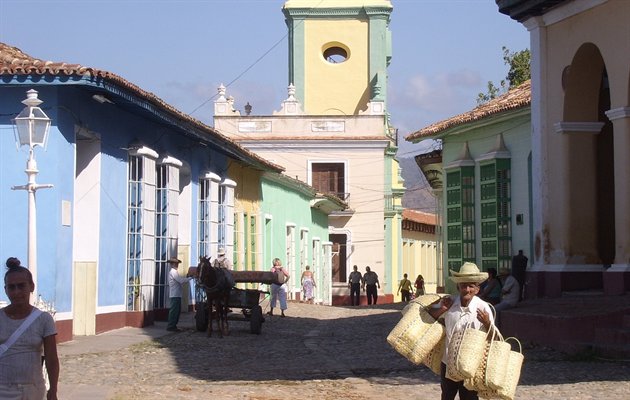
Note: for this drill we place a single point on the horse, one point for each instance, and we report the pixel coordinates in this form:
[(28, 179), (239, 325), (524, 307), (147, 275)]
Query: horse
[(217, 283)]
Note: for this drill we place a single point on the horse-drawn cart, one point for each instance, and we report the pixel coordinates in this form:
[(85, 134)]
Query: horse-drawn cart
[(247, 300)]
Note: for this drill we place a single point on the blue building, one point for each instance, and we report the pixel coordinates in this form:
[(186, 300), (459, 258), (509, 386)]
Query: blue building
[(136, 182)]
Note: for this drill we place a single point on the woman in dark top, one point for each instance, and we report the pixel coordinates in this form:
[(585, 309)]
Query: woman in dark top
[(492, 289)]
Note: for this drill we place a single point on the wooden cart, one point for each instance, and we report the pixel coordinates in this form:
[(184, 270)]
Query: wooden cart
[(247, 300)]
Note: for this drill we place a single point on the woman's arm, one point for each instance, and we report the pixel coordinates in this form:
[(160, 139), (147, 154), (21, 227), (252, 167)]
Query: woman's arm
[(52, 365)]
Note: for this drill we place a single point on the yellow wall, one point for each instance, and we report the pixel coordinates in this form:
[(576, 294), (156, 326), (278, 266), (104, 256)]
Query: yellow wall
[(419, 254), (247, 198), (247, 191), (336, 89)]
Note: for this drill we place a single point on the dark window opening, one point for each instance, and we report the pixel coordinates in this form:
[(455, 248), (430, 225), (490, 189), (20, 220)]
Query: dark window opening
[(329, 178)]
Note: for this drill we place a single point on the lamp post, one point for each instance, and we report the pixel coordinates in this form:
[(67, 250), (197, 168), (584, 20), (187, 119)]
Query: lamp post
[(31, 129)]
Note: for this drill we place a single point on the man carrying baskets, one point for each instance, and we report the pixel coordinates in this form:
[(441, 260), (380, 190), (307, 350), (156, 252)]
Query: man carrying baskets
[(462, 312)]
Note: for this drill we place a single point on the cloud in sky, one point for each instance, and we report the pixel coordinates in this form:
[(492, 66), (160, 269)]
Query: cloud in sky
[(438, 93), (423, 99)]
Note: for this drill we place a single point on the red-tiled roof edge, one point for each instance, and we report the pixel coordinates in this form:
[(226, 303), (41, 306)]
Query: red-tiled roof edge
[(515, 98), (420, 217), (14, 61)]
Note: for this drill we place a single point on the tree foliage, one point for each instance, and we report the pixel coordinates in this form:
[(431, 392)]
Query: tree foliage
[(519, 63)]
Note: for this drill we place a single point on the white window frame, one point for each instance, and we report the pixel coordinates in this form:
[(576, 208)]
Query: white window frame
[(140, 273), (207, 213)]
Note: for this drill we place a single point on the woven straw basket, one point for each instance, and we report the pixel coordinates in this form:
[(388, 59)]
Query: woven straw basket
[(451, 358), (471, 352), (512, 372), (434, 360), (417, 333), (504, 359), (497, 363)]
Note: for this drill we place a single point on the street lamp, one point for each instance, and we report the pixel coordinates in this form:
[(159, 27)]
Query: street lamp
[(31, 129)]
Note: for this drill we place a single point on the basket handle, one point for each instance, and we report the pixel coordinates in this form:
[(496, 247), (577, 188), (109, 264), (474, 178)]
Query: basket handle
[(520, 348)]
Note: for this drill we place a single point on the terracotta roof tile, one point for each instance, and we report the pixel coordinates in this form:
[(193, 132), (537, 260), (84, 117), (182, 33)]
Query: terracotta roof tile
[(420, 217), (14, 61), (517, 97)]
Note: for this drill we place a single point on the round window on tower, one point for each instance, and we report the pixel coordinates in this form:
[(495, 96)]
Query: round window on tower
[(335, 53)]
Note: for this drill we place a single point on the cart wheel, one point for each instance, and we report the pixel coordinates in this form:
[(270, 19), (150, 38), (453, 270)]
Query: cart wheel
[(201, 317), (256, 320)]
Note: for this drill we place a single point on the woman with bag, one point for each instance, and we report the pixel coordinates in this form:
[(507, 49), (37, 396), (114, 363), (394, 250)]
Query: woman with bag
[(461, 312), (419, 284), (24, 331)]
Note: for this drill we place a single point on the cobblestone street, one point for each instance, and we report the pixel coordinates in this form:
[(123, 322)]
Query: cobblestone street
[(316, 352)]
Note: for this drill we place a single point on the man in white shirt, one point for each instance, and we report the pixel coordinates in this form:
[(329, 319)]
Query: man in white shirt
[(354, 283), (175, 290), (222, 261), (460, 312)]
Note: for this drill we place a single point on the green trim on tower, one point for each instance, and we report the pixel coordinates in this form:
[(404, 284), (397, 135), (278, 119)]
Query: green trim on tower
[(380, 56), (297, 56), (379, 37)]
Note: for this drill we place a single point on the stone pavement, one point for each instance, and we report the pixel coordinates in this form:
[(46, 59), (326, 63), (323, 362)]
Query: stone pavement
[(316, 352)]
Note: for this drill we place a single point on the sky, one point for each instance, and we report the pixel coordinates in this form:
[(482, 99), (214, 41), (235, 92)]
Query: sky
[(444, 51)]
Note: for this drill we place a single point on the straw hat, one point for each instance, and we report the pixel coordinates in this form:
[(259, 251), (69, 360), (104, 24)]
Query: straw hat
[(174, 261), (469, 272), (221, 251)]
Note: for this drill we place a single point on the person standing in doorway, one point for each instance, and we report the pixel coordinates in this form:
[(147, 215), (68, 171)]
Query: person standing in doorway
[(404, 287), (370, 285), (519, 268), (175, 290), (354, 283)]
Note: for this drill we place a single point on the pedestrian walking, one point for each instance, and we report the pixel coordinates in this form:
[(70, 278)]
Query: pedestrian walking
[(24, 331), (419, 284), (465, 310), (308, 285), (370, 285), (354, 284), (279, 290), (404, 287)]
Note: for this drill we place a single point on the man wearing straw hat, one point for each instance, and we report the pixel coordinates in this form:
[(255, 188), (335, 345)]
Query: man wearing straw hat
[(460, 312)]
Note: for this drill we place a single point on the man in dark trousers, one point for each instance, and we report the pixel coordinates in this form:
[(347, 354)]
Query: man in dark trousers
[(370, 283), (354, 283), (519, 266)]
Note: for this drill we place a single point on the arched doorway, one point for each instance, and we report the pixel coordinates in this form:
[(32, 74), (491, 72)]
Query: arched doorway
[(590, 164)]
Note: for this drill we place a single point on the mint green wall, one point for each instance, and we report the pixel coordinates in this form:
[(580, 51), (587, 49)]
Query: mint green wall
[(286, 205), (481, 138)]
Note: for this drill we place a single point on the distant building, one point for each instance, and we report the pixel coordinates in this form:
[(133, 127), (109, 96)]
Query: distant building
[(420, 251), (333, 132)]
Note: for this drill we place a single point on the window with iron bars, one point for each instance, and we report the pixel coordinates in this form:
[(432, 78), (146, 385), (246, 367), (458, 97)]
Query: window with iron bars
[(496, 235)]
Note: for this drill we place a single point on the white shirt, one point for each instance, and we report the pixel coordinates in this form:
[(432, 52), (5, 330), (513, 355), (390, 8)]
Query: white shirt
[(175, 282), (511, 291), (22, 362), (458, 318)]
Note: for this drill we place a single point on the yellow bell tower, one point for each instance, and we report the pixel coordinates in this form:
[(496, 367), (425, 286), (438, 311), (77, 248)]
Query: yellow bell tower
[(339, 51)]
